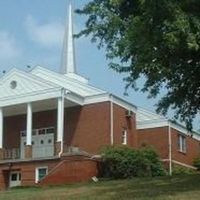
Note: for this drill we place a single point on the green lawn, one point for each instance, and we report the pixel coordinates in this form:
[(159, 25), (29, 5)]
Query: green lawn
[(165, 188)]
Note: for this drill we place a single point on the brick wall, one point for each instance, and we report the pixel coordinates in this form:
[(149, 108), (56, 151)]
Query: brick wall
[(88, 127), (157, 138), (78, 169), (121, 122), (27, 170), (65, 170), (192, 149)]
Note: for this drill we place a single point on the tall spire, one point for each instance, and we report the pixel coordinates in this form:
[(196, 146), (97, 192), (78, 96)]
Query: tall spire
[(68, 64)]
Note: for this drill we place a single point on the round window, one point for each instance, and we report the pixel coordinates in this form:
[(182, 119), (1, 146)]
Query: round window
[(13, 84)]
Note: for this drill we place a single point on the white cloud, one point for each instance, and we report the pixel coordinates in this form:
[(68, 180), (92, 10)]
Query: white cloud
[(8, 47), (48, 34)]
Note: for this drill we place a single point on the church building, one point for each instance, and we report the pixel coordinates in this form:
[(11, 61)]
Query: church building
[(54, 125)]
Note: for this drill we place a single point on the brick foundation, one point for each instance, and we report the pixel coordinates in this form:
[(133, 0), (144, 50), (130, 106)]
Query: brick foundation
[(1, 154), (28, 151), (57, 148)]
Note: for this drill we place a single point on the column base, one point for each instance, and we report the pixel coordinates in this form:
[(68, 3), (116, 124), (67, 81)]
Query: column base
[(57, 148), (28, 151), (1, 154)]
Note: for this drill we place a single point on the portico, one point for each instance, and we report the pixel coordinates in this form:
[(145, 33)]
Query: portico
[(36, 127)]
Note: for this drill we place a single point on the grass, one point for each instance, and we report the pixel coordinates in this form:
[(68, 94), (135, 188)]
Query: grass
[(162, 188)]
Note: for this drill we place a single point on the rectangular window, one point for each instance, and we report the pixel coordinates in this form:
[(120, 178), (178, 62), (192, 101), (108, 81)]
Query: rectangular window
[(124, 137), (182, 143), (50, 130), (40, 173)]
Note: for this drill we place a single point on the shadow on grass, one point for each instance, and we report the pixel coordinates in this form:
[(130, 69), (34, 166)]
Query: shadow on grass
[(160, 188), (155, 188)]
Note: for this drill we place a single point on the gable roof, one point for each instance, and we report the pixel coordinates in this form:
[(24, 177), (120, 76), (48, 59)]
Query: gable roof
[(25, 83), (18, 87), (78, 86)]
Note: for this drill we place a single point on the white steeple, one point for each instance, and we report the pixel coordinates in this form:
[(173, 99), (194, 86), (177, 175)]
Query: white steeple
[(68, 64)]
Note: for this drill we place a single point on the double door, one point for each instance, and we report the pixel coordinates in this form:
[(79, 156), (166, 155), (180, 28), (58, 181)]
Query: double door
[(42, 145)]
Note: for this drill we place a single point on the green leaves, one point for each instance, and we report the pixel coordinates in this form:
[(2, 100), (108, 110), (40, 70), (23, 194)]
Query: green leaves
[(124, 162), (156, 39)]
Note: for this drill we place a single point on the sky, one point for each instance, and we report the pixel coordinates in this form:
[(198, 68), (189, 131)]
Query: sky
[(31, 33)]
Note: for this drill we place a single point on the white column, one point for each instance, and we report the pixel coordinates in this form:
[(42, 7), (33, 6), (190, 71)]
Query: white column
[(29, 125), (60, 119), (1, 128)]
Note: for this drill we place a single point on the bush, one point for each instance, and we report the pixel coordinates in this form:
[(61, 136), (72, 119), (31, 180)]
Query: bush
[(196, 163), (178, 170), (124, 162)]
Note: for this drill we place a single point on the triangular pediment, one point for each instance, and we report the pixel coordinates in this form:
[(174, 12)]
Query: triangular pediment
[(18, 82)]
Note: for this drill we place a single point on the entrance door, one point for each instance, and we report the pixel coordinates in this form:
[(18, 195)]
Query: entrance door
[(43, 146), (42, 143), (15, 179)]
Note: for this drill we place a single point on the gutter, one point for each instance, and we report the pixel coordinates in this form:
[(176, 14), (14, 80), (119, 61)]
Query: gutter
[(170, 148), (111, 120), (63, 91)]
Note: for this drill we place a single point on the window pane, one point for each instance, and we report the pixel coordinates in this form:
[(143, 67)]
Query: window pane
[(184, 144), (14, 177), (179, 143), (41, 131), (42, 173), (50, 130), (124, 137)]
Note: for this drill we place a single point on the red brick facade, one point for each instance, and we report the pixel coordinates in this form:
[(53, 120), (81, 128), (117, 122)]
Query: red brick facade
[(192, 149), (68, 170), (159, 139), (88, 128)]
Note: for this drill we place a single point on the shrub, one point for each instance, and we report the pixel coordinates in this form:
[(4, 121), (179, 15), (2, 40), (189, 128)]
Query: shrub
[(196, 163), (124, 162), (178, 170)]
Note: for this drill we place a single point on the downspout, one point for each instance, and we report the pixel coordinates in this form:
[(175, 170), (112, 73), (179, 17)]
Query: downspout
[(63, 113), (111, 120), (170, 148)]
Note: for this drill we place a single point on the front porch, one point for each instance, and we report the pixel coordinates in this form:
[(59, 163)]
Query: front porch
[(43, 145), (34, 130)]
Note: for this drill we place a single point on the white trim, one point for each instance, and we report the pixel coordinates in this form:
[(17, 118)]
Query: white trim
[(60, 119), (152, 124), (36, 96), (29, 125), (182, 129), (37, 172), (124, 137), (170, 149), (110, 97), (182, 147), (180, 163), (147, 124), (183, 164), (1, 128), (28, 76), (65, 81), (111, 123), (74, 98), (96, 98)]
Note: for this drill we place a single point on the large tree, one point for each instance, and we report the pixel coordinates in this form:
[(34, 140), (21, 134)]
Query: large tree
[(156, 39)]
